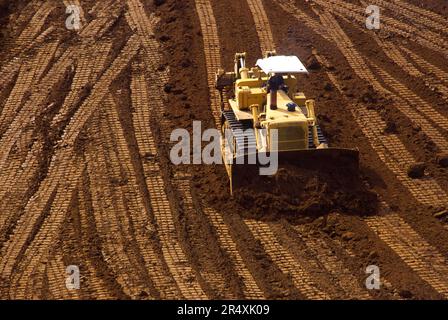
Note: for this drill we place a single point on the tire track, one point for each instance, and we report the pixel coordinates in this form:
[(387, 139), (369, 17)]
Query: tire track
[(90, 63), (262, 25), (285, 260), (110, 219), (61, 180), (331, 262), (344, 9), (173, 253), (391, 151), (217, 282), (33, 27), (95, 284), (251, 289), (361, 69), (416, 15), (212, 52), (424, 259), (29, 74)]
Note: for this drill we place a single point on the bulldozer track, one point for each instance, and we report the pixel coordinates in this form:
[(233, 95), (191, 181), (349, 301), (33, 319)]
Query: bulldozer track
[(215, 280), (251, 290), (434, 72), (173, 253), (89, 276), (423, 258), (29, 73), (56, 277), (289, 6), (112, 220), (212, 52), (90, 63), (60, 170), (34, 27), (412, 106), (143, 227), (361, 68), (285, 260), (261, 25), (333, 264), (416, 15), (392, 151), (425, 38), (29, 281)]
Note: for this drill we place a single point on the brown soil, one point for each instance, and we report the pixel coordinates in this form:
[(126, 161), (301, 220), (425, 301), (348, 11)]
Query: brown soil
[(140, 227)]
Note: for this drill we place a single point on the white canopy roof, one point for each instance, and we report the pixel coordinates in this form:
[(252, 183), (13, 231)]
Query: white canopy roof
[(281, 64)]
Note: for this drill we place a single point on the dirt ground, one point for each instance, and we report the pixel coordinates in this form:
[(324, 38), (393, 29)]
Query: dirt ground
[(85, 122)]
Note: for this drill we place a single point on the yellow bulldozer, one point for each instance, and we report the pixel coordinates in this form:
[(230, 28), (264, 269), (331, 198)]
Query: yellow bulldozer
[(265, 116)]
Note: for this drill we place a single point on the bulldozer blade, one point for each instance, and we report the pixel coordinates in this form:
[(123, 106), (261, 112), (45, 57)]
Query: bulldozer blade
[(336, 160)]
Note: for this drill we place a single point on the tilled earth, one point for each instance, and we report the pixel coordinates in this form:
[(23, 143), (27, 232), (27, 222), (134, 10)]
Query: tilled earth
[(86, 180)]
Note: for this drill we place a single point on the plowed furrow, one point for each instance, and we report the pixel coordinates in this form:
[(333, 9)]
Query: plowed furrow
[(332, 263), (29, 74), (262, 25), (287, 263), (144, 229), (424, 259), (251, 289), (173, 254)]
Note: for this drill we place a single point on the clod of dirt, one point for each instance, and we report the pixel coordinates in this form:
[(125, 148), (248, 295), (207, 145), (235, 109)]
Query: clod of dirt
[(348, 236), (391, 128), (312, 63), (417, 170), (441, 214), (328, 87), (442, 160), (159, 2), (406, 294)]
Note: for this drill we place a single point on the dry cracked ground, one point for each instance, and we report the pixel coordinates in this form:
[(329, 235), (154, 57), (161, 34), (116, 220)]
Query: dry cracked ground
[(85, 120)]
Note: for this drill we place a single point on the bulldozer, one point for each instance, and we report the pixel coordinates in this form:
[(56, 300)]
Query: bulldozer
[(264, 114)]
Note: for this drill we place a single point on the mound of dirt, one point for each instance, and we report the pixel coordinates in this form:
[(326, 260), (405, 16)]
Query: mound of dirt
[(305, 191)]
